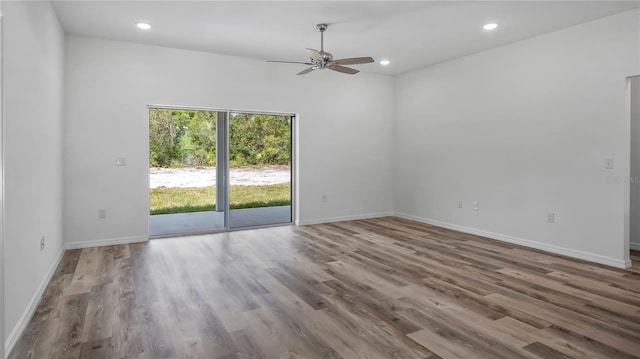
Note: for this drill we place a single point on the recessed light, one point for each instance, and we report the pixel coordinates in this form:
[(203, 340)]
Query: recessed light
[(490, 26), (385, 62), (143, 26)]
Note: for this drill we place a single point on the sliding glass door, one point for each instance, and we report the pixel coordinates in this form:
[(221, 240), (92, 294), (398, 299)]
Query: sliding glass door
[(213, 170)]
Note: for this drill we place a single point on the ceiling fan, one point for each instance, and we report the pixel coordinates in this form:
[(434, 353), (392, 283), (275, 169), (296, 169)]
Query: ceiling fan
[(320, 60)]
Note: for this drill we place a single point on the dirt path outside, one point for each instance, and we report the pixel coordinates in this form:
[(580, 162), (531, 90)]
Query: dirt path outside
[(206, 176)]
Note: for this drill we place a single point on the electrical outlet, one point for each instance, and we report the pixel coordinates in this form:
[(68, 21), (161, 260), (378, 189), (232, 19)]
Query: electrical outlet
[(608, 163), (121, 161), (459, 204), (324, 198), (551, 217), (476, 206), (102, 213), (41, 243)]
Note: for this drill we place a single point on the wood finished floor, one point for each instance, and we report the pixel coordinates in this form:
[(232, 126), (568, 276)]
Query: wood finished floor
[(379, 288)]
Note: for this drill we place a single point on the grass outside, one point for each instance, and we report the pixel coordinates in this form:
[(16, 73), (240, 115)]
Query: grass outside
[(166, 200)]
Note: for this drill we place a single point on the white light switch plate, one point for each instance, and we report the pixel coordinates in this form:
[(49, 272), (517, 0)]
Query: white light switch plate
[(121, 161)]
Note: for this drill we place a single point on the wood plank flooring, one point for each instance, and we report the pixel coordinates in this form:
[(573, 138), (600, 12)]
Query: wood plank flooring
[(379, 288)]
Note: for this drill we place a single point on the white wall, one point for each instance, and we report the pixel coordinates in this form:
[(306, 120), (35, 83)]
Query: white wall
[(635, 164), (33, 90), (2, 335), (523, 129), (344, 129)]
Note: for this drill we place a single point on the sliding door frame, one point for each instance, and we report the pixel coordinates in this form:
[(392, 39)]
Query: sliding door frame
[(293, 193)]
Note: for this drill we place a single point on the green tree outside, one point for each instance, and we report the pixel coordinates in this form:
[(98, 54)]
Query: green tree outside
[(187, 138)]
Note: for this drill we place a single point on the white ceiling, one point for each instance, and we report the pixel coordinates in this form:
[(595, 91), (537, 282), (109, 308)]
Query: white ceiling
[(410, 34)]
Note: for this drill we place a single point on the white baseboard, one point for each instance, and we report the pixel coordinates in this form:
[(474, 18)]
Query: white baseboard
[(304, 222), (26, 316), (592, 257), (634, 246), (106, 242)]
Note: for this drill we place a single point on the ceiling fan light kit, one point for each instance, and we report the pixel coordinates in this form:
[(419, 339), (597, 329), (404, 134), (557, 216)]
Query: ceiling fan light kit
[(320, 60)]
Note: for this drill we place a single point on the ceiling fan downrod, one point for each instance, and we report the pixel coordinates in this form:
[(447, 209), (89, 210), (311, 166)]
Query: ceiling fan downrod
[(322, 28)]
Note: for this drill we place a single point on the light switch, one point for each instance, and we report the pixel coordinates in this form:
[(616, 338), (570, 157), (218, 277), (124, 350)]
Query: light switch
[(121, 161), (608, 163)]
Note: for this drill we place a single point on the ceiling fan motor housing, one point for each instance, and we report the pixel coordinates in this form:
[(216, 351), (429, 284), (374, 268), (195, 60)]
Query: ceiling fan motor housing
[(327, 56)]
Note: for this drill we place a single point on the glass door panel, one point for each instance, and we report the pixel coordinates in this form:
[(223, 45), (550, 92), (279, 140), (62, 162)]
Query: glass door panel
[(184, 157), (259, 174)]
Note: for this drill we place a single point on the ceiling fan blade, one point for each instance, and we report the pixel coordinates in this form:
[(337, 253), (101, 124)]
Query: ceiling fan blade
[(343, 69), (290, 62), (353, 61), (306, 71), (316, 55)]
